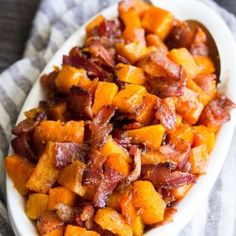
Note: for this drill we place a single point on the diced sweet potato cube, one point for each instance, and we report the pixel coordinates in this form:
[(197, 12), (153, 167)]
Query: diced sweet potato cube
[(130, 18), (60, 195), (71, 177), (182, 56), (150, 135), (178, 120), (117, 162), (134, 34), (111, 220), (149, 202), (205, 64), (147, 113), (129, 212), (114, 200), (157, 21), (15, 166), (130, 74), (180, 192), (94, 23), (112, 147), (70, 76), (45, 173), (72, 230), (56, 232), (36, 204), (189, 106), (132, 51), (182, 132), (153, 158), (198, 159), (57, 131), (154, 40), (203, 135), (129, 98), (58, 111), (104, 95)]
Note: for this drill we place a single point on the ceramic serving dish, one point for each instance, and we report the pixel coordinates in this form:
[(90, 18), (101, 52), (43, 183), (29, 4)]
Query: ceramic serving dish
[(182, 9)]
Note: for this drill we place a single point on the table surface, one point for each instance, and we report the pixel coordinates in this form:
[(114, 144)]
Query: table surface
[(16, 18)]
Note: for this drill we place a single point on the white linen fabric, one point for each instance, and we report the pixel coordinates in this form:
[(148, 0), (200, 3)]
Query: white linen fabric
[(55, 21)]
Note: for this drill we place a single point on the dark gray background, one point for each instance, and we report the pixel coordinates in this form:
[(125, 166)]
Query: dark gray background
[(15, 23)]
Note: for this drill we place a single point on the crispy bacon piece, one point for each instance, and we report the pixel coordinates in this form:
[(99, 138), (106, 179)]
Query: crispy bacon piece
[(106, 186), (23, 147), (65, 213), (178, 179), (47, 222), (100, 127), (48, 82), (217, 112), (80, 103), (166, 112), (101, 231), (135, 173), (87, 215), (207, 82), (178, 152), (121, 138), (68, 151)]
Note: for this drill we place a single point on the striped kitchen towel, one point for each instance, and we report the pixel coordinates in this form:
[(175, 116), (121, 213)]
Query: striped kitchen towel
[(54, 22)]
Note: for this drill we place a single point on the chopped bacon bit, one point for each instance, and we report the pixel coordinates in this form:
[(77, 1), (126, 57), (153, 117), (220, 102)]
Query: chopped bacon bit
[(65, 213), (23, 147), (80, 102), (133, 125), (178, 179), (166, 112), (217, 112), (121, 138), (48, 82), (135, 173), (66, 152), (106, 186), (206, 82)]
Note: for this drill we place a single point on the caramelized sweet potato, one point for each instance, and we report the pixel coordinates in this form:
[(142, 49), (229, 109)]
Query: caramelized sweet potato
[(71, 177), (60, 195), (154, 158), (94, 23), (56, 232), (15, 166), (72, 230), (70, 76), (129, 98), (104, 95), (36, 204), (154, 40), (180, 192), (111, 220), (205, 64), (45, 173), (130, 74), (130, 18), (57, 112), (149, 202), (134, 34), (162, 23), (150, 135)]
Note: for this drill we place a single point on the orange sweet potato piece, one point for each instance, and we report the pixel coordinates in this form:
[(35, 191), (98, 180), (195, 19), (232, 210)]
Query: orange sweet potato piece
[(111, 220), (182, 132), (134, 34), (117, 162), (104, 95), (178, 120), (112, 147), (70, 76), (149, 203), (72, 230), (157, 21), (189, 106), (36, 204), (153, 158), (129, 212), (180, 192), (130, 18), (147, 113), (203, 135), (198, 159), (129, 98), (57, 131), (150, 135), (94, 23), (154, 40), (56, 232), (130, 74), (45, 173), (71, 177), (60, 195), (15, 166), (133, 51), (182, 56), (57, 112), (205, 64), (114, 200)]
